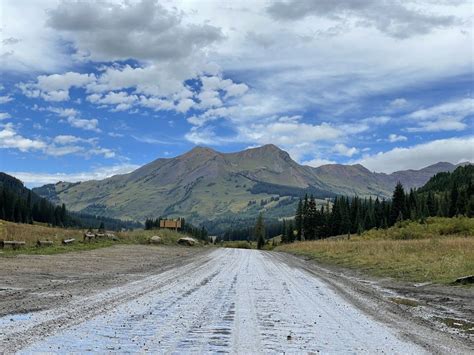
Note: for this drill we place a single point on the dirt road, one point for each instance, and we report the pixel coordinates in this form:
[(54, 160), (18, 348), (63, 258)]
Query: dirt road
[(228, 300)]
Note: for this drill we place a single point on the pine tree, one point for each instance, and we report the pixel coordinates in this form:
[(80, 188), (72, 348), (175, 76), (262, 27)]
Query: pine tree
[(299, 220), (289, 237), (397, 210), (259, 232), (453, 201)]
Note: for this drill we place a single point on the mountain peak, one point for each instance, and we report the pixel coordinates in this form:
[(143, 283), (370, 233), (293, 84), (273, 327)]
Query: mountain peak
[(201, 151)]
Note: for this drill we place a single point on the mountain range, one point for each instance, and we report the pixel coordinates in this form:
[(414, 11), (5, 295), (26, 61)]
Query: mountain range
[(204, 184)]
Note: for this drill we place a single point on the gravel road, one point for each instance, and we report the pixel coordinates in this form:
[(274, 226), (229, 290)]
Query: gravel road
[(229, 300)]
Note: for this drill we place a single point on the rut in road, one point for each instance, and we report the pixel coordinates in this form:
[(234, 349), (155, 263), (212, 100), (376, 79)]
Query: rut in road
[(242, 301)]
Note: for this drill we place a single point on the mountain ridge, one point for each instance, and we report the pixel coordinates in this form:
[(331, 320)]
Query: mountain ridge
[(204, 184)]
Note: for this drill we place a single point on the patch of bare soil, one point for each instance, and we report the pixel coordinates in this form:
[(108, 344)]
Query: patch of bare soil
[(31, 283), (434, 316)]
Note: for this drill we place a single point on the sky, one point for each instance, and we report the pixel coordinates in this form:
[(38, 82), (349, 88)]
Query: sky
[(90, 89)]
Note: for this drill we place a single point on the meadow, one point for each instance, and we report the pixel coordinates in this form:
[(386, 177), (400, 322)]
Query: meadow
[(440, 250)]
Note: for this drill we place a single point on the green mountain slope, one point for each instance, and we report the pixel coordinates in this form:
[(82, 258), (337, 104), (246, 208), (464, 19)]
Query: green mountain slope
[(205, 184)]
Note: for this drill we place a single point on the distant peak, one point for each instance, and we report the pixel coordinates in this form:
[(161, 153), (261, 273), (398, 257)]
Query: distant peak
[(270, 147), (200, 150)]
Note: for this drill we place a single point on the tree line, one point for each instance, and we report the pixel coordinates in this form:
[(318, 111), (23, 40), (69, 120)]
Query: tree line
[(16, 208), (445, 195), (21, 205)]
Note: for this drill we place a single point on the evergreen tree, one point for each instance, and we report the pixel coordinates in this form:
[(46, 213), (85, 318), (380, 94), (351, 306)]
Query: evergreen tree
[(398, 204), (299, 220), (453, 200), (259, 232)]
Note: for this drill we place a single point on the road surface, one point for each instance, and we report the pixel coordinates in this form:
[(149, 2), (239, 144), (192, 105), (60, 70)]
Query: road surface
[(230, 300)]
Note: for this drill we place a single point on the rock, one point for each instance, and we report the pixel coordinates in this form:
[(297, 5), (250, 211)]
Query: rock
[(112, 237), (465, 280), (187, 241), (155, 239)]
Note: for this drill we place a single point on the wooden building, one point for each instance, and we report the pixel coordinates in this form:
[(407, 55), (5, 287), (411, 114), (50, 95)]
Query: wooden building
[(171, 223)]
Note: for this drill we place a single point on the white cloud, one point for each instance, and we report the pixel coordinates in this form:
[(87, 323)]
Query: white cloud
[(342, 149), (72, 117), (10, 139), (396, 138), (32, 179), (4, 116), (55, 87), (453, 150), (398, 103), (58, 146), (444, 117), (287, 133), (4, 99), (88, 125)]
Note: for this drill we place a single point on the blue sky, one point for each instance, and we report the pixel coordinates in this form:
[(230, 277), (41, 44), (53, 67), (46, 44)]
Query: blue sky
[(92, 89)]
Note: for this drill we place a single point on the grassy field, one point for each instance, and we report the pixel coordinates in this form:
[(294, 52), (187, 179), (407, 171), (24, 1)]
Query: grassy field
[(30, 234), (439, 251)]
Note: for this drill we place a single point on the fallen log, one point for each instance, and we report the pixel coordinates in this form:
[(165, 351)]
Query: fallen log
[(14, 244), (89, 236), (44, 243), (466, 280), (68, 241), (112, 237)]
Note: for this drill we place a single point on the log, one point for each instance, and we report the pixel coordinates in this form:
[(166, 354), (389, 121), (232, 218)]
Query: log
[(15, 244), (68, 241), (44, 243), (89, 236), (112, 237), (466, 280)]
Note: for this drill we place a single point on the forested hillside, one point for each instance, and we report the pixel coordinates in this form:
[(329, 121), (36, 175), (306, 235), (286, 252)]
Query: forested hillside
[(21, 205), (444, 195)]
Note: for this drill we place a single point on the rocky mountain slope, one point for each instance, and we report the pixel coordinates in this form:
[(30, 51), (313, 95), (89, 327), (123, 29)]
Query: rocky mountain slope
[(206, 184)]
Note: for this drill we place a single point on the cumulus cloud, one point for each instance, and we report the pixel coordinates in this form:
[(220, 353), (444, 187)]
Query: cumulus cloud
[(444, 117), (453, 150), (398, 103), (11, 139), (55, 87), (396, 138), (143, 30), (342, 149), (4, 116), (404, 21), (72, 117), (4, 99)]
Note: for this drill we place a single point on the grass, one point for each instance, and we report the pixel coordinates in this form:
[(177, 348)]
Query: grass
[(439, 251), (464, 326), (30, 234), (239, 244)]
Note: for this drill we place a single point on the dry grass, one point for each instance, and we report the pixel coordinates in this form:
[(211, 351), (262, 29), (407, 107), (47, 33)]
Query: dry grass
[(32, 233), (437, 257), (239, 244)]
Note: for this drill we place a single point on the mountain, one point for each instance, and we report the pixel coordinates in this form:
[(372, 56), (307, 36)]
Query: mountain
[(205, 184)]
